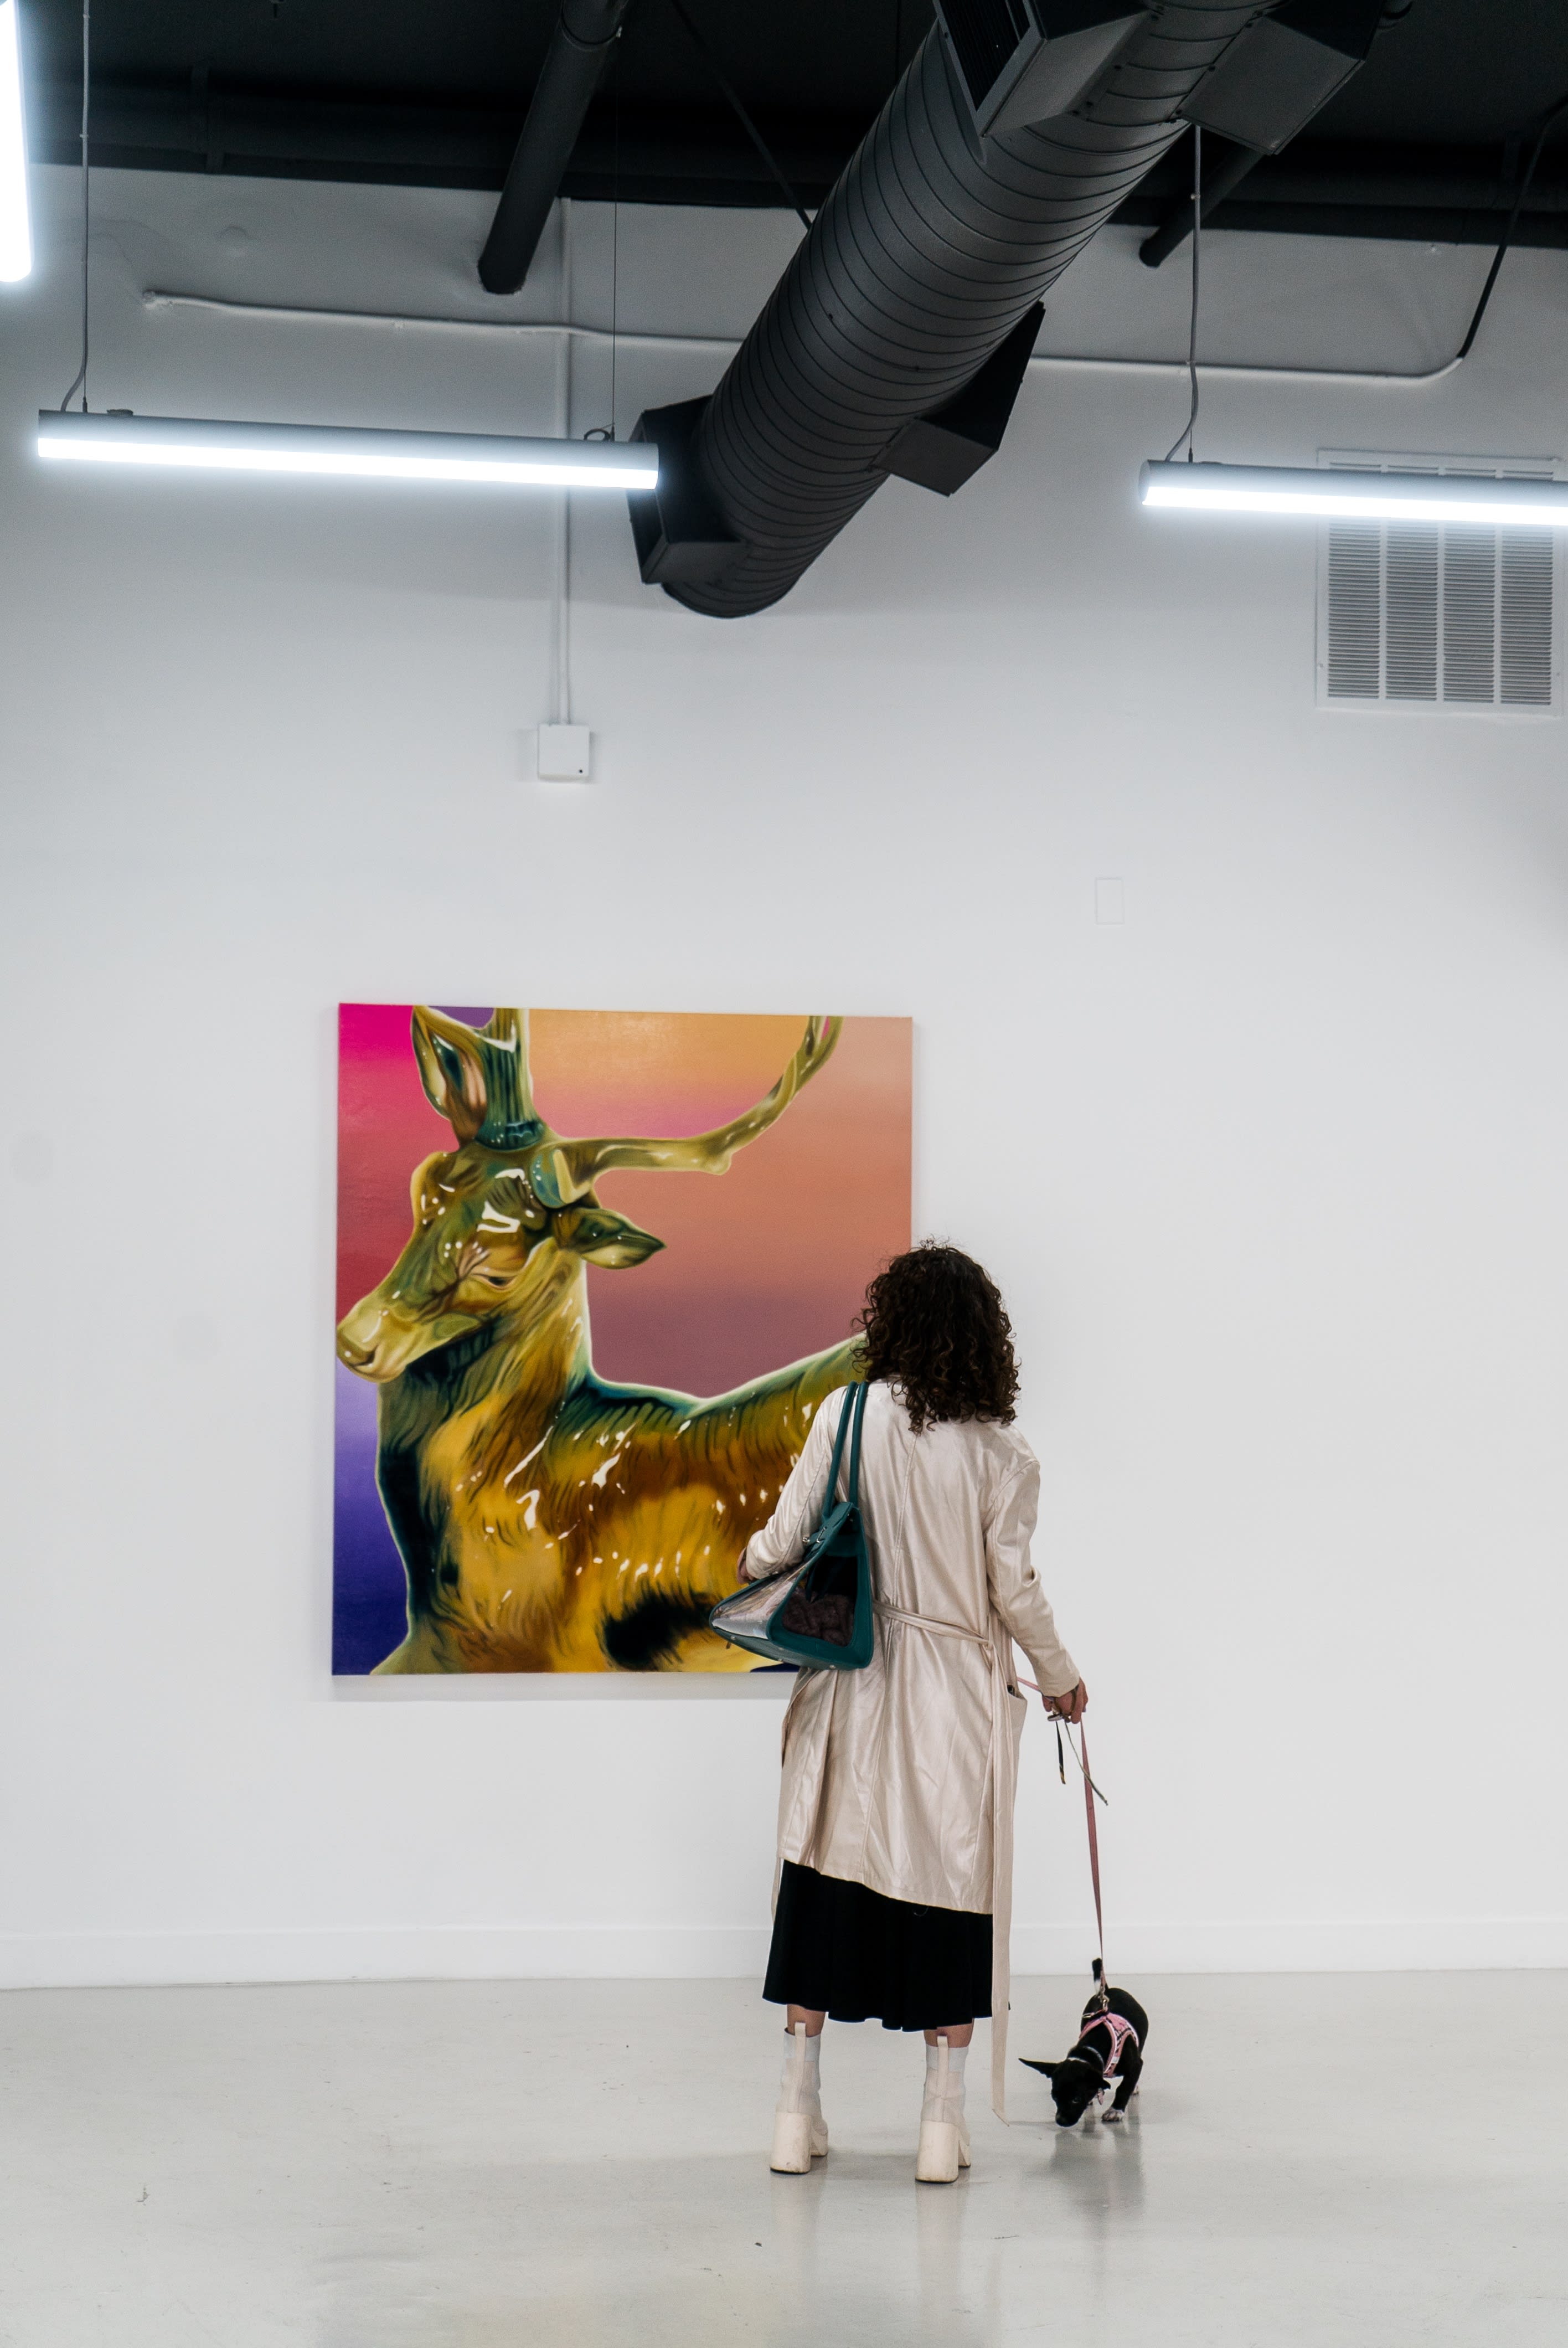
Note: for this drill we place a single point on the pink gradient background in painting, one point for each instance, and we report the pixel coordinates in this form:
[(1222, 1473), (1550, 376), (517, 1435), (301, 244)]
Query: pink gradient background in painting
[(761, 1265)]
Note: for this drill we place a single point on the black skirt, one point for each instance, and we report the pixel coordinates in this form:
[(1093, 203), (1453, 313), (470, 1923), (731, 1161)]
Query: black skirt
[(842, 1949)]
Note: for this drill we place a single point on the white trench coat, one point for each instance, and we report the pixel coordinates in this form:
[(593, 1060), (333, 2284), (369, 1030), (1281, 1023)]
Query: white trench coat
[(901, 1777)]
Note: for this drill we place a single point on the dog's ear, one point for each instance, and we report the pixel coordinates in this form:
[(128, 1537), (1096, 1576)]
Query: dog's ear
[(1030, 2063)]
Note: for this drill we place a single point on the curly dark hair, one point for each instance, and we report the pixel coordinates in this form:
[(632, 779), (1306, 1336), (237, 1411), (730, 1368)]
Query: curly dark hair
[(938, 1331)]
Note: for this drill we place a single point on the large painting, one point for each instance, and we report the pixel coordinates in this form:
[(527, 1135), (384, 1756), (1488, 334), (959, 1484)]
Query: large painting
[(596, 1273)]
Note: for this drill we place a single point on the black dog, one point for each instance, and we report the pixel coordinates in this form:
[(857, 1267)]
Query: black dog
[(1111, 2043)]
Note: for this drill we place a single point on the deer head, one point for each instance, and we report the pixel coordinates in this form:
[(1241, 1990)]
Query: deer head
[(504, 1223)]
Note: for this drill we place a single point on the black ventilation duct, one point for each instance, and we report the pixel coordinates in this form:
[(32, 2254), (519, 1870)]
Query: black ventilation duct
[(932, 247)]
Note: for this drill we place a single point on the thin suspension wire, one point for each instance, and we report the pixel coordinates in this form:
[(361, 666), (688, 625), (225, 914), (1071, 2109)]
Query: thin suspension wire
[(1553, 116), (738, 108), (80, 381), (1186, 433), (607, 431), (615, 245), (1197, 260), (563, 520)]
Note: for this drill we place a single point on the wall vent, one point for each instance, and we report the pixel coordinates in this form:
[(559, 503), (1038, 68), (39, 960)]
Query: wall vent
[(1415, 614)]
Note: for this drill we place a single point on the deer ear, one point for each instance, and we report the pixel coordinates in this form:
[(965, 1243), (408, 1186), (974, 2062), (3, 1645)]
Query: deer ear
[(555, 1184), (452, 1069), (419, 1177), (604, 1238)]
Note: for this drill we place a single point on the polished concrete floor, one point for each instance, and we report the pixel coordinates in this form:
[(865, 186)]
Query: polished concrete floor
[(1317, 2159)]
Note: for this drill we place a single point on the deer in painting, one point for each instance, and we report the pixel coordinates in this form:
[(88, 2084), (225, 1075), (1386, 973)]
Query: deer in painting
[(549, 1520)]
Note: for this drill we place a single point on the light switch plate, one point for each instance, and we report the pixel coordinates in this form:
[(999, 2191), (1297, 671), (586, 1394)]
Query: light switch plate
[(565, 754)]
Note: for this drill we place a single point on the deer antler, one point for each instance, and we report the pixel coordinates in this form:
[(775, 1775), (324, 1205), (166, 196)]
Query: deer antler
[(572, 1166), (478, 1076), (511, 1120)]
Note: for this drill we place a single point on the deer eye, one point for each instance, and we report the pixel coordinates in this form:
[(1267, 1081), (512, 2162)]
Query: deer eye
[(496, 1279)]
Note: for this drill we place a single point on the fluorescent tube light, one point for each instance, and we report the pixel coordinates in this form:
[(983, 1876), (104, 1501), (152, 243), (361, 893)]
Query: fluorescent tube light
[(1365, 497), (15, 234), (346, 451)]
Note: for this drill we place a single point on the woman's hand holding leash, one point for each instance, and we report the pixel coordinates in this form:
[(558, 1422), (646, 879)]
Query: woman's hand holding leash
[(1069, 1707)]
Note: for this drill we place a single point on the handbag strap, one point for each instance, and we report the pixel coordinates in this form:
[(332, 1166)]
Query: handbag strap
[(858, 1407), (857, 1410)]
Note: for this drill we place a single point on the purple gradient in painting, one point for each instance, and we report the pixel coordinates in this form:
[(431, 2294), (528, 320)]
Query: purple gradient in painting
[(369, 1612)]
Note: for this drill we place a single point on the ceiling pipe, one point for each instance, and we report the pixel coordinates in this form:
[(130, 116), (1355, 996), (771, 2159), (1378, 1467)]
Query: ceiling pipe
[(928, 253), (585, 33)]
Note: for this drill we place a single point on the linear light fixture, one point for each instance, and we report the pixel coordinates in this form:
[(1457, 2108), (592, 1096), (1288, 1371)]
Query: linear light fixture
[(345, 451), (1367, 497), (15, 231)]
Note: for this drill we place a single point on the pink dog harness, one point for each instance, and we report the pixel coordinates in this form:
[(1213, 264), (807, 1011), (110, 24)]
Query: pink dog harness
[(1120, 2032)]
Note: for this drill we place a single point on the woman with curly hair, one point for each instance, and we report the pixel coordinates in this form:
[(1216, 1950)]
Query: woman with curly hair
[(895, 1814)]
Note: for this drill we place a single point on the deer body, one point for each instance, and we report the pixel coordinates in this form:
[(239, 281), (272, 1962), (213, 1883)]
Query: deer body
[(550, 1520), (590, 1532)]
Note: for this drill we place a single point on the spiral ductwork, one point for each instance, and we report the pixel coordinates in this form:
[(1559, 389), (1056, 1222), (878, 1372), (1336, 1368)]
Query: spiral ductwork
[(932, 248)]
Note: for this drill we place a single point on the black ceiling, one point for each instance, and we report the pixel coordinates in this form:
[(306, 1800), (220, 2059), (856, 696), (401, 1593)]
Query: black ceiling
[(431, 93)]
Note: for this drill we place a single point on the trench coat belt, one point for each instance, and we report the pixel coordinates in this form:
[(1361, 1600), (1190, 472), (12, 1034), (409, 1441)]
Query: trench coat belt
[(996, 1647)]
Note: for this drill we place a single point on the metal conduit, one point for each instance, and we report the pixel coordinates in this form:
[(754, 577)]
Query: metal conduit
[(930, 248), (585, 33)]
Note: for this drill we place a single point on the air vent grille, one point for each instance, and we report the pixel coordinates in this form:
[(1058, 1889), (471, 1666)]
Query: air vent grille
[(1455, 616), (984, 35)]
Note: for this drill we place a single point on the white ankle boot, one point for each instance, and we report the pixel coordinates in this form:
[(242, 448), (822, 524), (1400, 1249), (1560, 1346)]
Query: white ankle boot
[(944, 2138), (800, 2132)]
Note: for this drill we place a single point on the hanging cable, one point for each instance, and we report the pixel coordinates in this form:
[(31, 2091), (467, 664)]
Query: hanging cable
[(79, 382), (1554, 115), (615, 242), (747, 125), (563, 525), (1186, 433), (607, 431)]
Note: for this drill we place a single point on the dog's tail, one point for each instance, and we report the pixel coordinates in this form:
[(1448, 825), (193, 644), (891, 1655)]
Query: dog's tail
[(1098, 1969)]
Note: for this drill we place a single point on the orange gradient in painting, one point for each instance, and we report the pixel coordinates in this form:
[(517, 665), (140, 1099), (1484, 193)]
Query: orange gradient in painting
[(761, 1265)]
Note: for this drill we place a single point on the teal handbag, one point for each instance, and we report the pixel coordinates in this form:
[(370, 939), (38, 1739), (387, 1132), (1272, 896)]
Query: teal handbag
[(818, 1613)]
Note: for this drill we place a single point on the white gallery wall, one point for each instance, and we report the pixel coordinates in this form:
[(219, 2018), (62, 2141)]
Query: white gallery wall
[(1273, 1170)]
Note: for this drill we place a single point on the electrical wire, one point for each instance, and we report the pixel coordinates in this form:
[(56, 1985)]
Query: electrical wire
[(1553, 116), (80, 381), (1187, 431)]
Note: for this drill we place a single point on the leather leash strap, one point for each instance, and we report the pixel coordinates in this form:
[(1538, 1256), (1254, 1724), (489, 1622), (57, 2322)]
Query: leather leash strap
[(1092, 1794), (1089, 1793)]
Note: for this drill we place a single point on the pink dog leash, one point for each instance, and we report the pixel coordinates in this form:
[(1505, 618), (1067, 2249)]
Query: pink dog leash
[(1092, 1794)]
